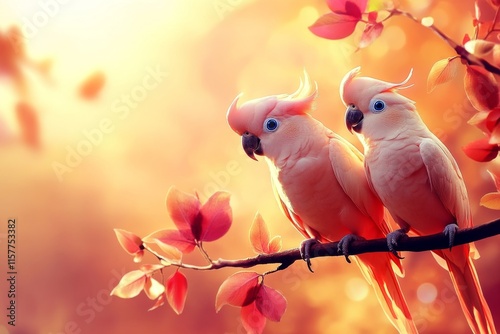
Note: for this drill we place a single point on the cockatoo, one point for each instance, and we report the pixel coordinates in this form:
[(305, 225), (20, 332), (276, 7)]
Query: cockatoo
[(417, 179), (319, 181)]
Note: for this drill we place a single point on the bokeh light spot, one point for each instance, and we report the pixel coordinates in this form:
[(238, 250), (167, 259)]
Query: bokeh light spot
[(397, 36), (356, 289), (426, 293)]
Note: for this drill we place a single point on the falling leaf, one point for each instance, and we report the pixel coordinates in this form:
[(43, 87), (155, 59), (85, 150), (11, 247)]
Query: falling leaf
[(480, 150), (92, 85), (259, 235), (334, 26), (130, 242), (481, 88), (370, 34), (29, 124), (130, 285), (216, 217), (253, 321), (491, 201), (177, 291), (173, 238), (184, 210), (239, 289), (153, 288), (270, 303), (442, 71)]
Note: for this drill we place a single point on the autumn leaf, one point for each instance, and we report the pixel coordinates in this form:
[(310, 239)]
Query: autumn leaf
[(253, 321), (479, 120), (270, 303), (176, 291), (159, 302), (259, 235), (481, 88), (442, 71), (92, 85), (481, 150), (334, 26), (492, 119), (496, 180), (216, 217), (130, 285), (239, 289), (275, 245), (350, 7), (153, 288), (370, 34), (29, 124), (184, 210), (495, 136), (172, 238), (491, 201), (131, 243)]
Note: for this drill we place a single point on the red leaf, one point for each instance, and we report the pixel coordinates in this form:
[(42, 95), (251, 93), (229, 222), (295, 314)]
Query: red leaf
[(29, 124), (270, 303), (479, 120), (481, 88), (253, 321), (130, 285), (129, 241), (92, 85), (343, 6), (259, 235), (372, 17), (465, 39), (216, 217), (370, 34), (172, 238), (159, 302), (442, 71), (352, 9), (334, 26), (153, 288), (184, 209), (495, 136), (275, 245), (480, 150), (492, 119), (177, 291), (239, 289)]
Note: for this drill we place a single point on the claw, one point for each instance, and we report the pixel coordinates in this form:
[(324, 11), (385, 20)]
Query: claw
[(305, 251), (450, 230), (345, 242), (392, 240)]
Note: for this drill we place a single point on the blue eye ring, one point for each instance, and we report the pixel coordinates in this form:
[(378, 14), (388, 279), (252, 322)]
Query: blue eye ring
[(377, 106), (271, 124)]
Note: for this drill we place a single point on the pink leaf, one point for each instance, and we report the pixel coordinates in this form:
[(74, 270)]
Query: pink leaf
[(253, 321), (275, 245), (259, 235), (130, 285), (177, 291), (370, 34), (159, 302), (239, 289), (334, 26), (481, 88), (153, 288), (480, 150), (344, 6), (172, 238), (492, 119), (442, 71), (372, 17), (491, 201), (129, 241), (216, 217), (184, 209), (270, 303)]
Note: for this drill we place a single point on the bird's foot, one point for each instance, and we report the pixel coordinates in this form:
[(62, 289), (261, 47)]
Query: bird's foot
[(345, 242), (305, 251), (450, 230), (393, 238)]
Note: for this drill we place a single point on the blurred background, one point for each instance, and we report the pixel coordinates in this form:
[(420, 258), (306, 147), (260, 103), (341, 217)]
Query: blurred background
[(105, 105)]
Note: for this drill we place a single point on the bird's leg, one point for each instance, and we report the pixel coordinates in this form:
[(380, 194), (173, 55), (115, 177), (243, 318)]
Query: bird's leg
[(345, 242), (305, 251), (392, 240), (450, 231)]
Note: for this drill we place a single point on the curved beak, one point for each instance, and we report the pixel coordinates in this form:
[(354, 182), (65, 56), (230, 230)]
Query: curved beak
[(353, 118), (251, 145)]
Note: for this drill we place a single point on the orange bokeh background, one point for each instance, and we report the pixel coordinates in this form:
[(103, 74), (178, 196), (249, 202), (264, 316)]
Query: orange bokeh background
[(198, 55)]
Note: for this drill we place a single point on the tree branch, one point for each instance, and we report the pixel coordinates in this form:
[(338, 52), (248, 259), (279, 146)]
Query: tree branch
[(409, 244)]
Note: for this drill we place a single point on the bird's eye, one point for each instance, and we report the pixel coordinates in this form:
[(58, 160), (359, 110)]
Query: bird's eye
[(271, 125), (377, 106)]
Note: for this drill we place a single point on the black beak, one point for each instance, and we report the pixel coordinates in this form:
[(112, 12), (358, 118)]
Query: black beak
[(251, 145), (353, 118)]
